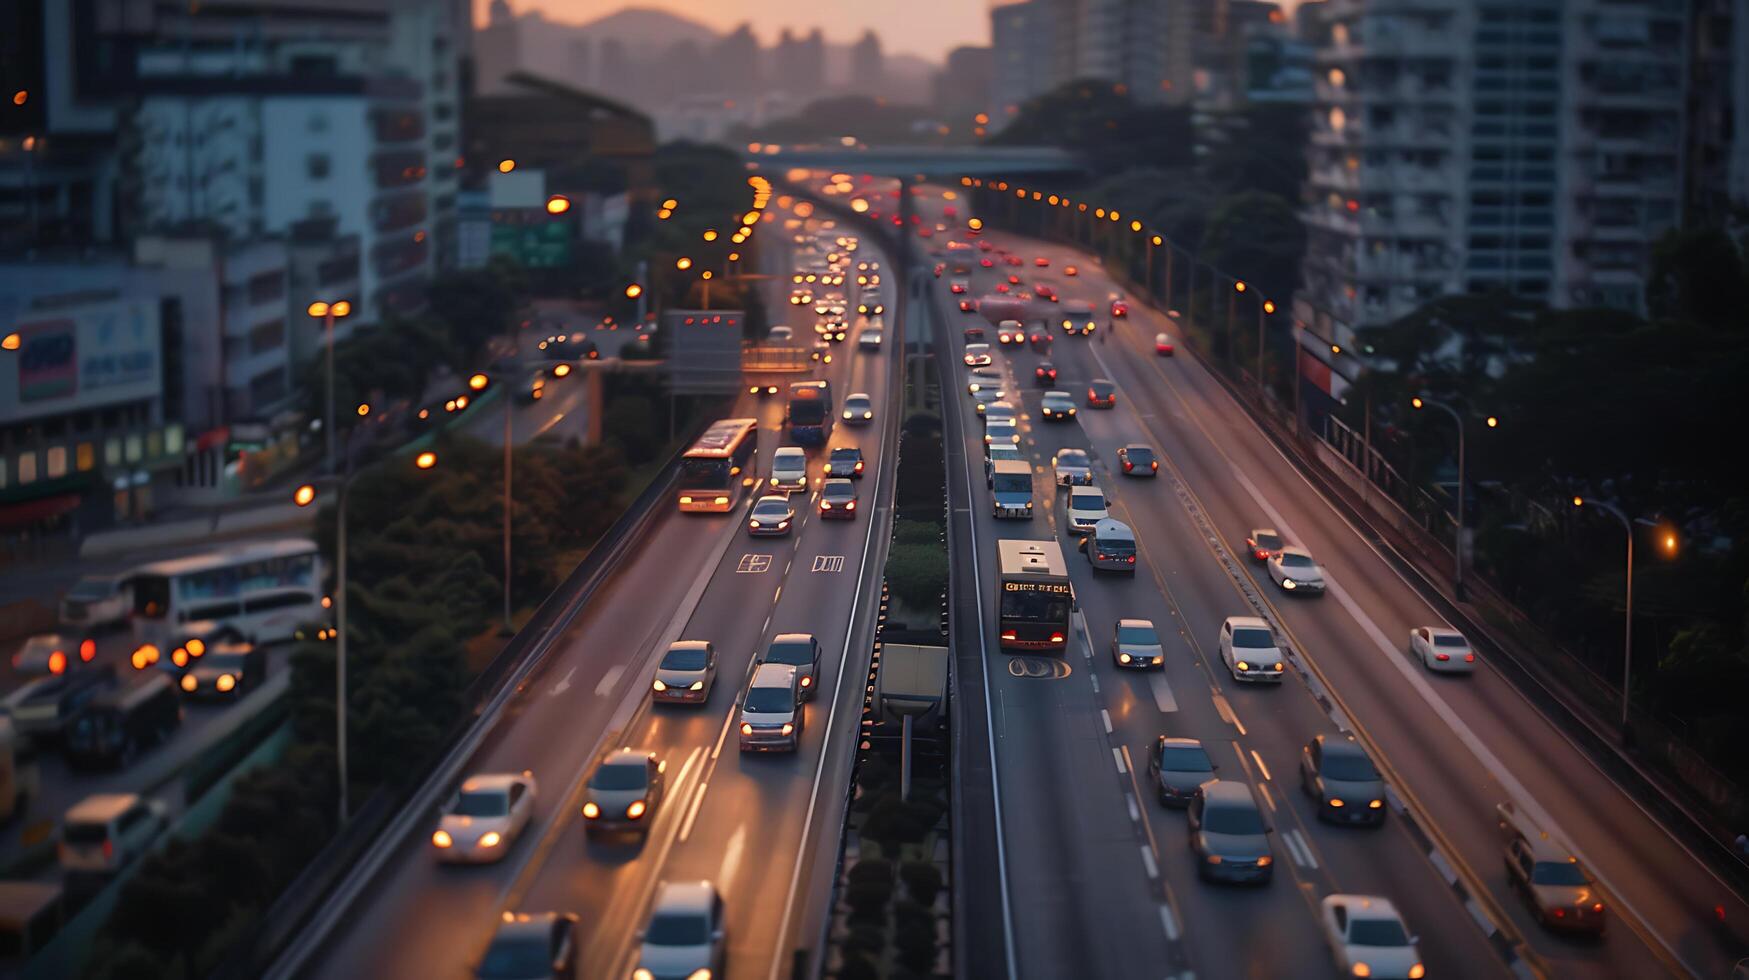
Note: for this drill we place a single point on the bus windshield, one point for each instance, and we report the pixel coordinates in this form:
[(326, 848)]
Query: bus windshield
[(1013, 483), (1035, 607), (704, 474), (807, 411)]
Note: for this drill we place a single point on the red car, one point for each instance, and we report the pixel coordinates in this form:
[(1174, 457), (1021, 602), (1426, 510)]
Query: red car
[(1040, 340), (1042, 262), (1101, 393), (1013, 260), (968, 306), (1119, 308), (1045, 291), (987, 262), (1045, 373), (1163, 345)]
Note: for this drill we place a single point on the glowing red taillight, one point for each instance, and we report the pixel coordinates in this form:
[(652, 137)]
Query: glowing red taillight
[(1056, 637), (1010, 635), (1442, 656), (1469, 658), (1127, 466)]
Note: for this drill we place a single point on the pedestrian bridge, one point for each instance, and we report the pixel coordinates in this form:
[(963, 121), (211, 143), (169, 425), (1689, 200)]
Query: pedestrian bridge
[(918, 162)]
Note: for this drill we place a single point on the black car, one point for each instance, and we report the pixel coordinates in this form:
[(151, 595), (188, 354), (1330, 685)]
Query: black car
[(1045, 374), (845, 461), (1178, 766), (115, 726), (1337, 773), (532, 947), (1138, 460), (227, 672)]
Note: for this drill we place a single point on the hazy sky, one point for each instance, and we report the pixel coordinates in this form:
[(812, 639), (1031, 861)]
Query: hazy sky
[(929, 28)]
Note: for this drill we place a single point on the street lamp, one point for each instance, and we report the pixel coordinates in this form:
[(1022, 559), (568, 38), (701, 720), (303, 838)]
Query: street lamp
[(304, 496), (1668, 542), (1264, 309), (328, 313), (1424, 401)]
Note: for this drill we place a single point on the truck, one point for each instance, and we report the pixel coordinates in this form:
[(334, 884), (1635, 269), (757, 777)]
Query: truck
[(809, 412), (767, 367)]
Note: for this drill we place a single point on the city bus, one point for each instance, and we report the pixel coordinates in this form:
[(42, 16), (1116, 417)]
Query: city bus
[(719, 467), (809, 414), (1034, 597), (265, 589)]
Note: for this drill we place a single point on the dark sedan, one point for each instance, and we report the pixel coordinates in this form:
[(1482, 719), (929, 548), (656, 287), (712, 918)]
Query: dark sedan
[(1228, 835), (1179, 766), (1336, 772)]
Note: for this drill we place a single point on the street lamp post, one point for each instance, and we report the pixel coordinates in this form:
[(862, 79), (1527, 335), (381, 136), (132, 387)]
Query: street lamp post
[(1423, 401), (304, 496), (1627, 657), (328, 313)]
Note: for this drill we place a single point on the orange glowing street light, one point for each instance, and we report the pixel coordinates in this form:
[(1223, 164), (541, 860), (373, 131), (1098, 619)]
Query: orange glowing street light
[(683, 263), (305, 495), (1239, 286), (11, 341), (478, 382), (633, 290), (425, 460), (505, 166), (363, 409), (558, 204)]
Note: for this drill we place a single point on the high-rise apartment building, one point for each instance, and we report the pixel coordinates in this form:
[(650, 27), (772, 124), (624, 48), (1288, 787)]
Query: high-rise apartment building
[(1530, 146), (1021, 38)]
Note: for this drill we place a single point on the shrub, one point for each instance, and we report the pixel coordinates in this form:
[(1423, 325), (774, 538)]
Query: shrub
[(915, 936), (868, 899), (879, 871), (893, 821), (858, 967), (922, 879), (917, 574), (866, 937), (916, 532)]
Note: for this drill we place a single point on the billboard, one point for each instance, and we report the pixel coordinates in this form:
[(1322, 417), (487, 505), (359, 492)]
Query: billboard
[(82, 356), (704, 351)]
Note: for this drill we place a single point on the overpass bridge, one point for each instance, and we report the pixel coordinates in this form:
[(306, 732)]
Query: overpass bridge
[(920, 163)]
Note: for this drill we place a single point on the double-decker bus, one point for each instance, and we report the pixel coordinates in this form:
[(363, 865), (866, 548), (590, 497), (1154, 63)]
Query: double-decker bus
[(718, 468), (809, 414), (1034, 597)]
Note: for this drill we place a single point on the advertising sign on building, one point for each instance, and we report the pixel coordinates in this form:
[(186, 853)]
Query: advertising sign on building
[(81, 356)]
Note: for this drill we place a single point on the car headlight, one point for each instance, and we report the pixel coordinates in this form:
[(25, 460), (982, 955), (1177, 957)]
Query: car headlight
[(1214, 859), (490, 839), (782, 524), (441, 839), (1243, 665), (189, 683), (1375, 804), (868, 415), (1123, 658), (787, 728), (702, 973), (1029, 505), (753, 524), (746, 729), (1277, 667), (847, 415), (1361, 969), (1289, 584), (1417, 971), (686, 500), (226, 682), (658, 685), (1335, 803), (636, 810), (696, 686), (1265, 861)]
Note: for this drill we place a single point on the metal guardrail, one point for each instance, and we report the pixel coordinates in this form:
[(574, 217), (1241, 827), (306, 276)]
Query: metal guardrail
[(291, 913)]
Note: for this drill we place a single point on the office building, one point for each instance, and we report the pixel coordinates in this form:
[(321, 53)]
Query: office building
[(868, 66), (1021, 38), (1464, 146)]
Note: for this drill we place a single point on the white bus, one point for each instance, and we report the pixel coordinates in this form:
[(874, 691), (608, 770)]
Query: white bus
[(266, 589)]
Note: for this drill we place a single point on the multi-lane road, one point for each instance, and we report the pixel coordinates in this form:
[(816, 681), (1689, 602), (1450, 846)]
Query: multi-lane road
[(1099, 877), (761, 828)]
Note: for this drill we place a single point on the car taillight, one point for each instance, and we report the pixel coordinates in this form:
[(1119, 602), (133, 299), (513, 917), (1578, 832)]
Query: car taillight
[(108, 849), (1056, 637), (1262, 554), (1156, 464), (1010, 635), (1442, 656), (1469, 658), (1127, 466), (1131, 559)]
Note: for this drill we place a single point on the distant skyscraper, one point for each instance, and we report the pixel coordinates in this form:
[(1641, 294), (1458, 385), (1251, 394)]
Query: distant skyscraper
[(1022, 57), (497, 47), (1461, 146), (962, 88), (582, 63), (868, 69), (1126, 42), (799, 64), (618, 76), (737, 61)]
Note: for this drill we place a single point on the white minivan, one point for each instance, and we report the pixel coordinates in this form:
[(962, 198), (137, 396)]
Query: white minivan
[(104, 833)]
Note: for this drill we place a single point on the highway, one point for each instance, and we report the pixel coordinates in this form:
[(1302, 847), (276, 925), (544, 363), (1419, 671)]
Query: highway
[(1099, 876), (762, 828)]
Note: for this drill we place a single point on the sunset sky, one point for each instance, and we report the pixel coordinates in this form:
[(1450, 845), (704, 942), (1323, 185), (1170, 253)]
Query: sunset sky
[(929, 28)]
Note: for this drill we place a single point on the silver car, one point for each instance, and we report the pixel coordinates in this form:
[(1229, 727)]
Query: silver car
[(1072, 466), (1084, 507), (686, 936), (1134, 643), (798, 650), (686, 673), (789, 469), (772, 716)]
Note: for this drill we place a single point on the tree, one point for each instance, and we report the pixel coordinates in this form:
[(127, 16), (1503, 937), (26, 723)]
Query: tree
[(1697, 274), (1098, 121), (1258, 237), (476, 306)]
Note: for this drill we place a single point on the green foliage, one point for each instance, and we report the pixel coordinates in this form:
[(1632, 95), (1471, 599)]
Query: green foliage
[(914, 934), (1257, 236), (868, 899), (1698, 275), (871, 871), (917, 573), (916, 532), (922, 880), (866, 938), (475, 306), (894, 821), (631, 419), (858, 967), (1098, 121)]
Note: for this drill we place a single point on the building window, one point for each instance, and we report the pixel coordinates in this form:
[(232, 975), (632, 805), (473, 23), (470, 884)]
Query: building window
[(112, 451), (266, 287), (317, 165), (27, 468), (267, 336), (133, 449), (85, 456), (57, 460)]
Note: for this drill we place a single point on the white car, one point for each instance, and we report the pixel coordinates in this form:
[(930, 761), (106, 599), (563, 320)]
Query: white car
[(978, 355), (779, 334), (982, 378), (1368, 938), (995, 452), (1057, 406), (686, 935), (1072, 466), (998, 411), (1249, 650), (102, 833), (52, 653), (1293, 569), (789, 469), (858, 408), (1085, 506), (985, 397), (1002, 430), (1441, 649), (484, 818), (869, 339)]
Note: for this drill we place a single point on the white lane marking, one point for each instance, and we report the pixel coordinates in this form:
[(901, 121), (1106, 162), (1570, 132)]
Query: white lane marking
[(1268, 797), (1169, 922), (564, 683), (1135, 811), (732, 857), (1094, 678), (692, 811), (1515, 789), (1163, 698), (1148, 862), (1105, 716), (1117, 757), (1224, 708), (608, 680), (1260, 766), (1302, 852)]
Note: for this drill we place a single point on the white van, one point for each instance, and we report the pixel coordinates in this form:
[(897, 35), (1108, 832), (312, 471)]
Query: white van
[(771, 711), (104, 833)]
